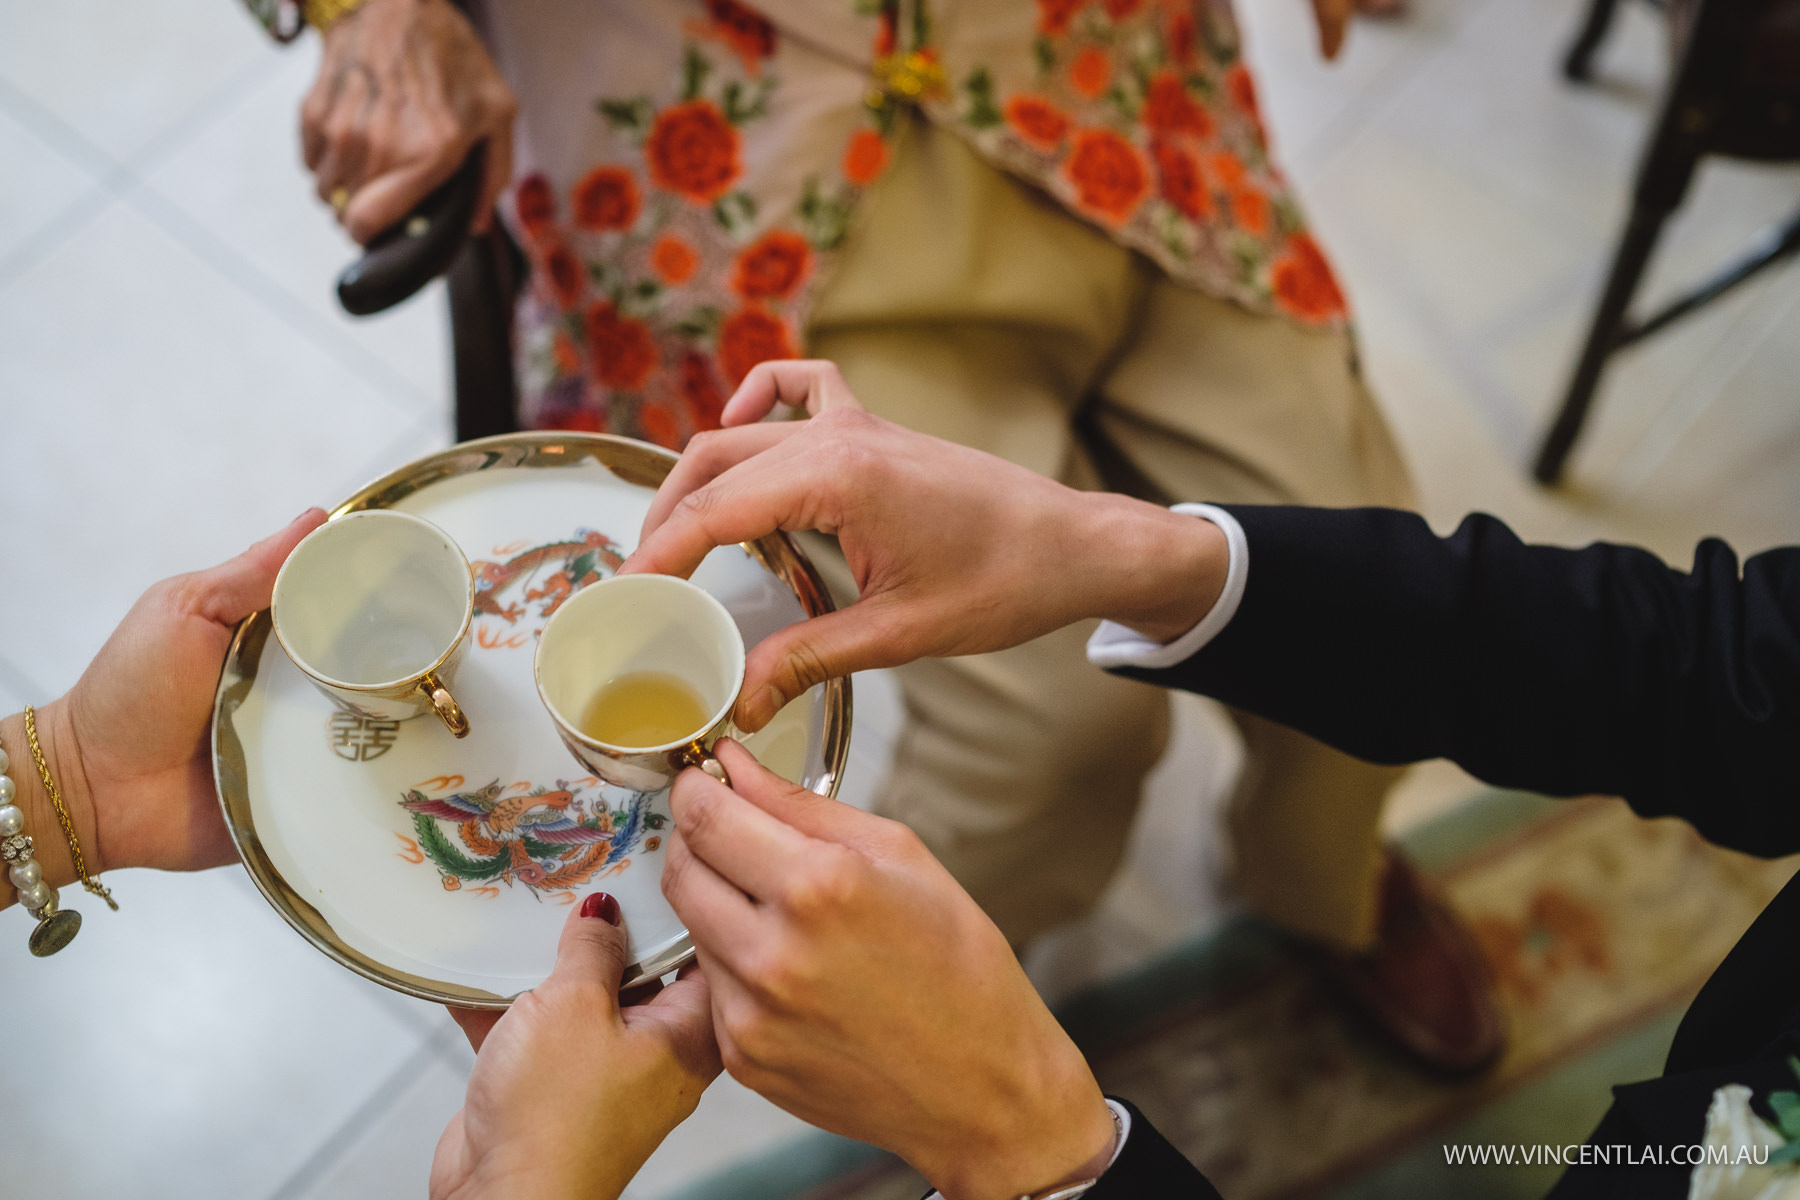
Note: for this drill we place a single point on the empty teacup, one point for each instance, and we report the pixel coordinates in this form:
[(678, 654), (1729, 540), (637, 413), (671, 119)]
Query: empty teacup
[(640, 673), (375, 608)]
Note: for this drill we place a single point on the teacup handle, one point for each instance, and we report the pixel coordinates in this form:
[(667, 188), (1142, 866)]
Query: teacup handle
[(445, 705), (696, 755)]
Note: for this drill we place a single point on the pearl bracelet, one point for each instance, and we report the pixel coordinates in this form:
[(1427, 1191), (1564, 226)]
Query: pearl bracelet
[(56, 926)]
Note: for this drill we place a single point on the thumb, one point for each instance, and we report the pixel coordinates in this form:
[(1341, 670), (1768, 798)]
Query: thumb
[(592, 947), (791, 660), (233, 590)]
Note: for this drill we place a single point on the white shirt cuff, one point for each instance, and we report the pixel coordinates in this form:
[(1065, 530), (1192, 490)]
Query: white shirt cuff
[(1121, 1118), (1113, 645)]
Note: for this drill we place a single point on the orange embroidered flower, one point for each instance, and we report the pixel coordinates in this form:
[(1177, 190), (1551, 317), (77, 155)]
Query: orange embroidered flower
[(568, 278), (749, 336), (692, 149), (1180, 182), (673, 260), (1108, 174), (659, 427), (1303, 283), (1055, 16), (1250, 209), (1038, 122), (568, 359), (1119, 10), (1090, 71), (772, 266), (887, 37), (621, 348), (535, 204), (605, 198), (1168, 109), (1227, 168), (701, 390), (451, 883), (580, 420), (745, 30), (1242, 89), (1181, 39), (865, 158)]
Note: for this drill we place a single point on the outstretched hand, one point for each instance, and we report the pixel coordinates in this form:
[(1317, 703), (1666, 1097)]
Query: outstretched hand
[(571, 1092), (953, 551), (128, 745), (856, 985)]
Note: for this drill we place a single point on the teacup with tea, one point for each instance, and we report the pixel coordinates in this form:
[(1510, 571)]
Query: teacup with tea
[(640, 673)]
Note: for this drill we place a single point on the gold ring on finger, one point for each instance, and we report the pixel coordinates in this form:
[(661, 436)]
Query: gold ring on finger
[(339, 198)]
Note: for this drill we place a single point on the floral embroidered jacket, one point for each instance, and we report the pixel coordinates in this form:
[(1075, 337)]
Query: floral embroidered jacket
[(688, 167)]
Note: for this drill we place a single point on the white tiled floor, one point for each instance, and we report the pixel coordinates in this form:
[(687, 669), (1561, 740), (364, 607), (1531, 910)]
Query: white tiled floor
[(175, 381)]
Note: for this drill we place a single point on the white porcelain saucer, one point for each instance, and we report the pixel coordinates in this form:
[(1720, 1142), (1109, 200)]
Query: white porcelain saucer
[(444, 868)]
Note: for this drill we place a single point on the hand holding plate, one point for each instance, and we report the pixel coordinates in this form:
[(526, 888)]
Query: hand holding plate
[(571, 1092), (128, 744)]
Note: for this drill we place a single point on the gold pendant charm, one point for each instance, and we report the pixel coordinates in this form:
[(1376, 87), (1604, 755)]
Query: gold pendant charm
[(55, 931)]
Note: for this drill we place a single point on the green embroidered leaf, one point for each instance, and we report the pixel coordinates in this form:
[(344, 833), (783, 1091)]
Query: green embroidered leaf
[(445, 855), (870, 8), (734, 211), (1044, 50), (921, 26), (982, 112), (1786, 1107), (699, 324), (745, 104), (825, 220), (634, 114), (694, 70), (1787, 1154)]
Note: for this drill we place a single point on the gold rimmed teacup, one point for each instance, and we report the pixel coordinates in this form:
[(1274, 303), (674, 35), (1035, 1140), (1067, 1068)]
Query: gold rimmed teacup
[(641, 624), (375, 607)]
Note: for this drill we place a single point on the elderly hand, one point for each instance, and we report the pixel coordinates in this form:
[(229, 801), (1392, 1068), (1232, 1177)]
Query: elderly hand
[(856, 985), (129, 746), (953, 551), (405, 89), (571, 1092)]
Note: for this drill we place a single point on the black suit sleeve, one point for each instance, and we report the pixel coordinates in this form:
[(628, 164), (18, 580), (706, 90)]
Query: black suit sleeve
[(1149, 1168), (1563, 671)]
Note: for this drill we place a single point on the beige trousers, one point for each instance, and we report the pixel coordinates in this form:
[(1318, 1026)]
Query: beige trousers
[(968, 306)]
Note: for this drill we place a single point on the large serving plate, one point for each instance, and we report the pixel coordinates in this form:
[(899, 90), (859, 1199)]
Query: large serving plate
[(444, 868)]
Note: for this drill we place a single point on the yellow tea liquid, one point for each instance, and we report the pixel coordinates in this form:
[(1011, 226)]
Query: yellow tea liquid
[(644, 708)]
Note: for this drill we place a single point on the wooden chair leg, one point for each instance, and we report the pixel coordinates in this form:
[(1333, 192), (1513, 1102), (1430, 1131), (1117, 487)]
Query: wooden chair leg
[(1578, 62), (1603, 337)]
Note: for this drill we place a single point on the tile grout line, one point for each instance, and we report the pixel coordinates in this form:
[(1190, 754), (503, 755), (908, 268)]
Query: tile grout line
[(353, 1127), (166, 215), (119, 182)]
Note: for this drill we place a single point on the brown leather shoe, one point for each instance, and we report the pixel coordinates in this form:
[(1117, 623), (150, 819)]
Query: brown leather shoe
[(1424, 981)]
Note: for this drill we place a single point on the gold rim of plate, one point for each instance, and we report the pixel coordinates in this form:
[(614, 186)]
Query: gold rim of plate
[(629, 460)]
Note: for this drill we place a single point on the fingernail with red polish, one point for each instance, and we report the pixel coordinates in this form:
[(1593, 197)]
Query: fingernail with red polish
[(599, 904)]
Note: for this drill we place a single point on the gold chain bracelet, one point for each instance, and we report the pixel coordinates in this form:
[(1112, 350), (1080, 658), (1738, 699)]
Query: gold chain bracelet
[(62, 811)]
